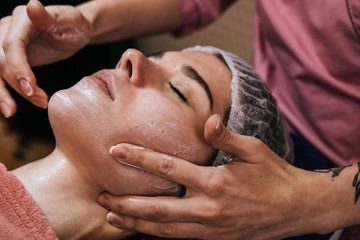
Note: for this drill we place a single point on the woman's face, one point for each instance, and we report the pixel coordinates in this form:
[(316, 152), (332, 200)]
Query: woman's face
[(161, 102)]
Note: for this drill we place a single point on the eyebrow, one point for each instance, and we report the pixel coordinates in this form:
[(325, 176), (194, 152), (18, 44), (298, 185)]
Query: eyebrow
[(156, 54), (192, 74)]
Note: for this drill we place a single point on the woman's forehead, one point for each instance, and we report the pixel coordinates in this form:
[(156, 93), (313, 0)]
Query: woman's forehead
[(196, 55), (206, 62)]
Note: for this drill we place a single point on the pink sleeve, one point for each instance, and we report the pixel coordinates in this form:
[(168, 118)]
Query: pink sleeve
[(199, 13)]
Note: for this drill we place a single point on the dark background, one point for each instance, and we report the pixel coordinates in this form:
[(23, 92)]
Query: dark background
[(31, 121)]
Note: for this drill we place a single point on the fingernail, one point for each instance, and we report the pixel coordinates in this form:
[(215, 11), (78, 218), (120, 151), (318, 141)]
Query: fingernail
[(5, 110), (26, 87), (218, 127), (34, 1), (38, 101), (104, 201), (114, 218), (137, 147), (119, 152)]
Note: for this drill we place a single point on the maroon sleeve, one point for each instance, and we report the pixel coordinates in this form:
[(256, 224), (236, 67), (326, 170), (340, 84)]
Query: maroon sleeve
[(199, 13)]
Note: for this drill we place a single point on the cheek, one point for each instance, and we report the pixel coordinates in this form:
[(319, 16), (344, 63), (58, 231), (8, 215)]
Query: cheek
[(89, 127), (148, 120), (161, 125)]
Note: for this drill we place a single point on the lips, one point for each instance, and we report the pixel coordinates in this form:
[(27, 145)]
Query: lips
[(105, 81)]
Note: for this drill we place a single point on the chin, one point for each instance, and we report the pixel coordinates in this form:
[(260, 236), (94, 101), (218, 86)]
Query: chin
[(67, 121)]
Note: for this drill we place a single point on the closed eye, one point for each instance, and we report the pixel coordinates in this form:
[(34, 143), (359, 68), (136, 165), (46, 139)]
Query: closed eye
[(178, 93)]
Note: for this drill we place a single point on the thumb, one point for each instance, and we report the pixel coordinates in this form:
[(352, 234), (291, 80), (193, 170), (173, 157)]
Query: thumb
[(40, 18), (241, 147)]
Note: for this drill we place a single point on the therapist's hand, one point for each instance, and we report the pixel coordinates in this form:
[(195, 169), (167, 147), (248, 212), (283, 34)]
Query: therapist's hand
[(253, 197), (34, 35)]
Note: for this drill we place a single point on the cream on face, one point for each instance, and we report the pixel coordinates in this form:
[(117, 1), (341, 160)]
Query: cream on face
[(138, 103)]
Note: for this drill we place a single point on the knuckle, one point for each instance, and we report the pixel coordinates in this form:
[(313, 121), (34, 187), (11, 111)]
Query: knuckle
[(212, 212), (137, 156), (131, 224), (116, 206), (215, 185), (257, 146), (167, 230), (255, 142), (165, 166), (154, 213), (7, 43), (18, 9), (225, 138), (5, 20)]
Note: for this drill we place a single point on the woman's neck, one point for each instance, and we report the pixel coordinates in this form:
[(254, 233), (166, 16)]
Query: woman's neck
[(68, 198)]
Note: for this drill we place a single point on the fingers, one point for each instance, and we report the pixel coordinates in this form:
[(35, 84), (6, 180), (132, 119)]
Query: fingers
[(7, 103), (39, 97), (15, 33), (161, 229), (172, 168), (161, 209), (18, 33), (39, 17), (239, 146), (113, 232)]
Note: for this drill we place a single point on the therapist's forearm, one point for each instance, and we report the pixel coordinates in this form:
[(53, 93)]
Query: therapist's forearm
[(332, 201), (114, 20)]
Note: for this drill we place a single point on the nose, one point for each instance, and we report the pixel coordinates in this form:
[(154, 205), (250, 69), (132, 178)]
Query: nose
[(138, 67)]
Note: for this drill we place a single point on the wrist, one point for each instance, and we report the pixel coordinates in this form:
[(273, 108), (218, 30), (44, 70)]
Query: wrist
[(114, 20), (328, 203), (315, 206), (301, 204)]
